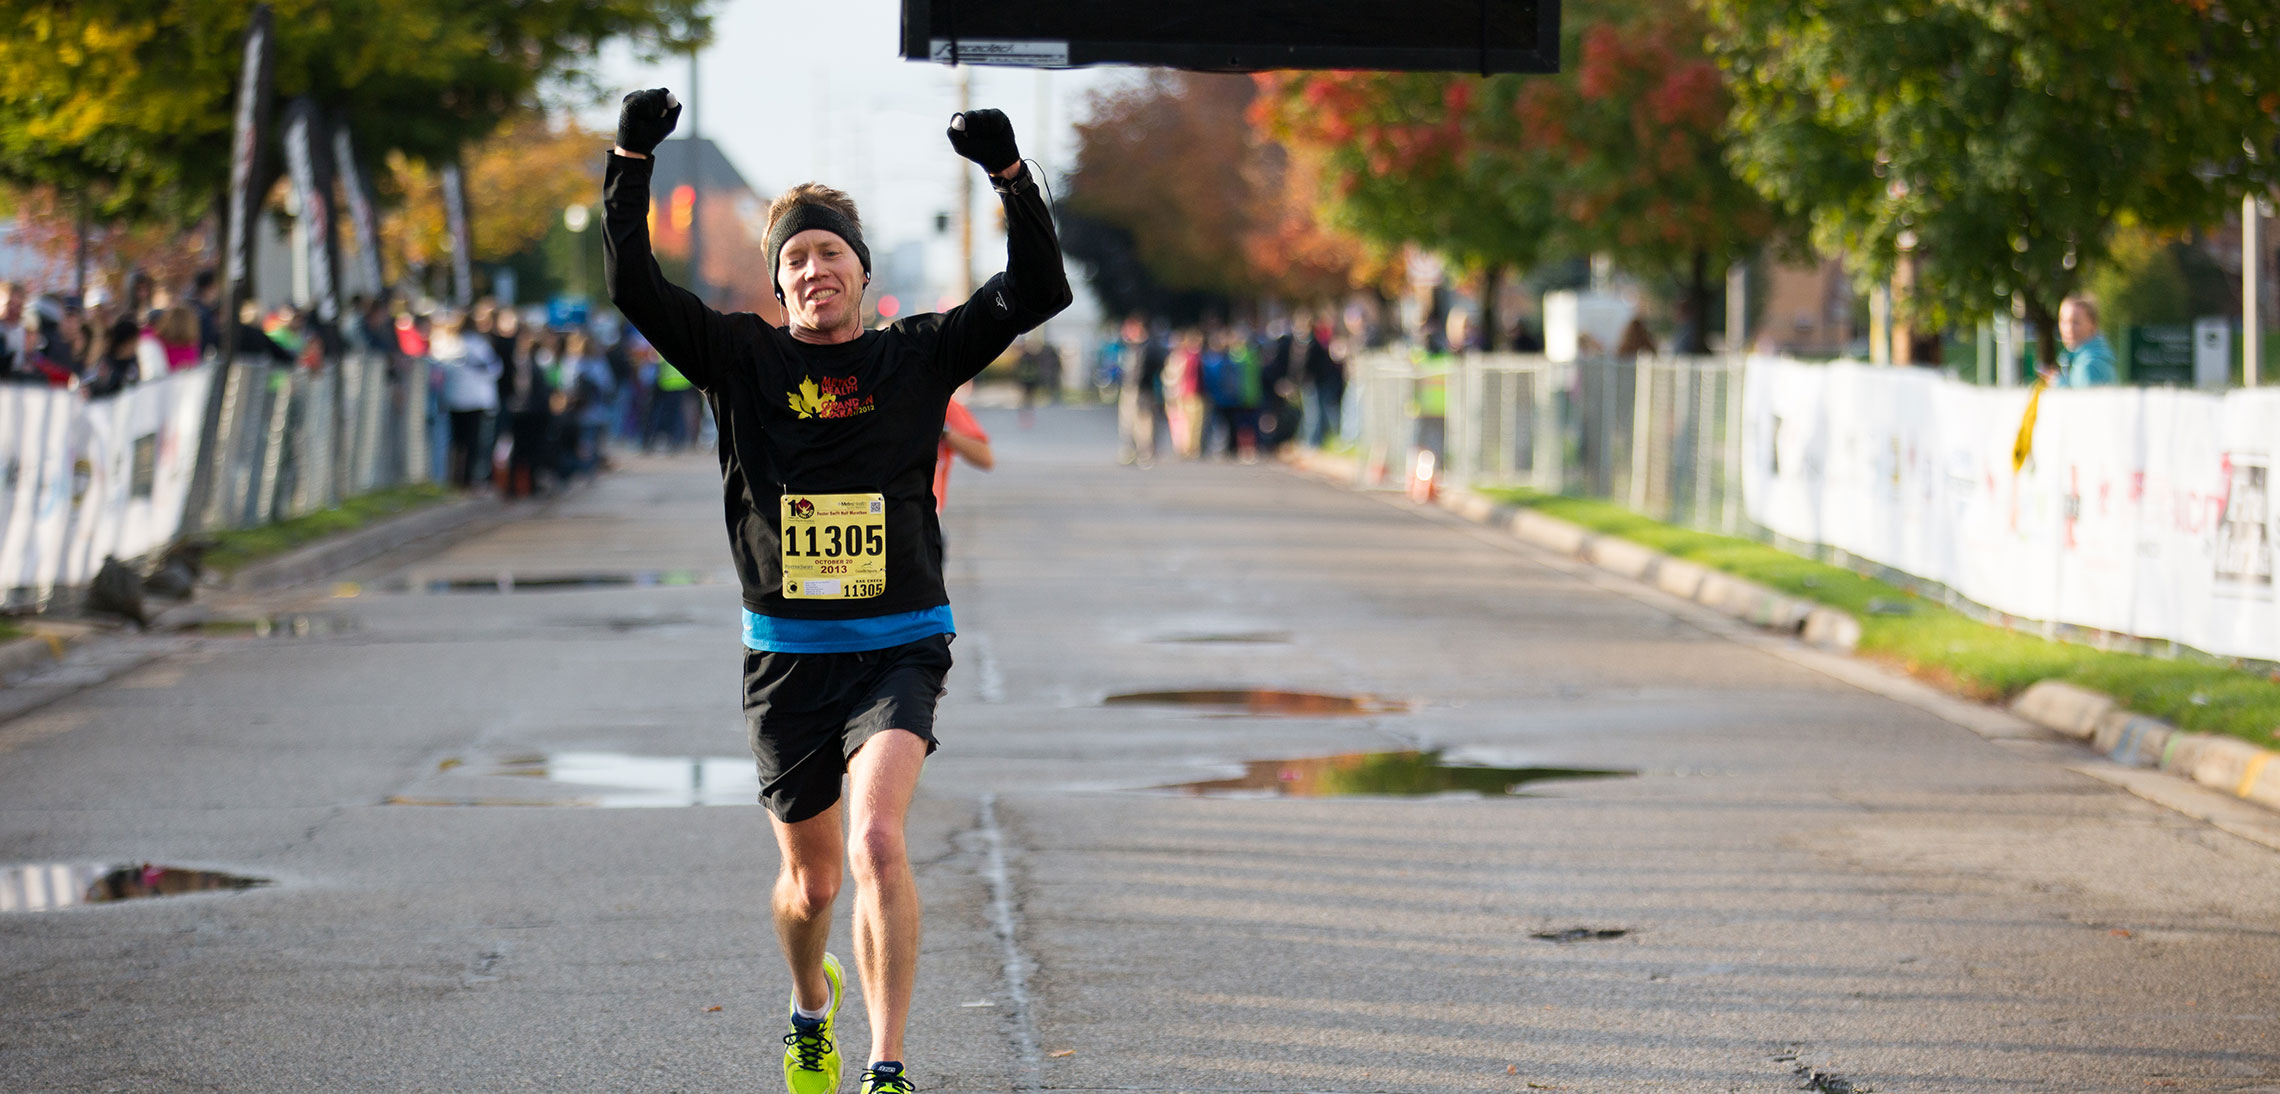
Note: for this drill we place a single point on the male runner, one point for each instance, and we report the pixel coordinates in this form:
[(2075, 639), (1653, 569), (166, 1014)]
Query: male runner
[(827, 448)]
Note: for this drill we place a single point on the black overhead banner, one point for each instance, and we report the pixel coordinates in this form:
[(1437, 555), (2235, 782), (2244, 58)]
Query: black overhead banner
[(1481, 36)]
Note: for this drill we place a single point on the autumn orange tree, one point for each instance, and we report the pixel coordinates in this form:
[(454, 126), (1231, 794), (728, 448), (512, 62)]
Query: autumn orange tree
[(1636, 145), (1176, 204), (519, 181)]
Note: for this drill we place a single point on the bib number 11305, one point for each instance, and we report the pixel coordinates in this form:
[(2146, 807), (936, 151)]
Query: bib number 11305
[(835, 546)]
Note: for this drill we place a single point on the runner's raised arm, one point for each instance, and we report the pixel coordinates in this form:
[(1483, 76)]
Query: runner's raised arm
[(687, 333)]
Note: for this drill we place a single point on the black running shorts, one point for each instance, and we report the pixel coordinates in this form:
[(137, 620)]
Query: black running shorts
[(808, 712)]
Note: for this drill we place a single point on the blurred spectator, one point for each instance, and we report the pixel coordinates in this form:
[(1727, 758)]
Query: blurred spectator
[(1029, 373), (1183, 395), (1231, 387), (12, 362), (252, 341), (669, 399), (593, 404), (170, 344), (1637, 341), (2087, 361), (412, 334), (114, 362), (1138, 398), (206, 300), (1278, 396), (1325, 378), (526, 397), (471, 371)]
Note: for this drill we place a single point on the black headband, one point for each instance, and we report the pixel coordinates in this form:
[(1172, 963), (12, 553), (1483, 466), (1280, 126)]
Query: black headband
[(800, 218)]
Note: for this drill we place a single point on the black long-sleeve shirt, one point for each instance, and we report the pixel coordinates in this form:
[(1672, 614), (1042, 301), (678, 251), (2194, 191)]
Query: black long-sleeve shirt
[(864, 416)]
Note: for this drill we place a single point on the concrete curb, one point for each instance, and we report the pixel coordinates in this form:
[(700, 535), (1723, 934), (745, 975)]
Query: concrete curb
[(1745, 600), (332, 555), (300, 566), (31, 652), (2226, 764)]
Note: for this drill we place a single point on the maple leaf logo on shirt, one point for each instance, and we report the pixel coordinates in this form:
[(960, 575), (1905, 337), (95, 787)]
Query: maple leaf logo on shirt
[(809, 401)]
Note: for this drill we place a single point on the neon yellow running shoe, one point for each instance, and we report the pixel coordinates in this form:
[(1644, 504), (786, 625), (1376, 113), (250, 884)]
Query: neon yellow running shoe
[(811, 1060), (887, 1078)]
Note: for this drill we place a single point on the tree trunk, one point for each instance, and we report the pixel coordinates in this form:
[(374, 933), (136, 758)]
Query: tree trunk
[(1694, 309), (1491, 324)]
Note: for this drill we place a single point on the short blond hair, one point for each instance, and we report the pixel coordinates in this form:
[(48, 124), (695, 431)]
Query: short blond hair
[(2089, 307), (813, 193)]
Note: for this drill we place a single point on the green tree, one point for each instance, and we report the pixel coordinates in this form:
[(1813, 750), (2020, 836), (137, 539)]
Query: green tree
[(2000, 141), (128, 103), (1623, 153)]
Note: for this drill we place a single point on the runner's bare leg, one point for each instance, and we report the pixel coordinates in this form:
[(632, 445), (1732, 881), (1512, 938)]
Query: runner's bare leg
[(809, 881), (882, 776)]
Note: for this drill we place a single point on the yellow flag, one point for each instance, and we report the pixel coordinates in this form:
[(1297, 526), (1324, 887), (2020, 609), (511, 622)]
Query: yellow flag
[(2025, 445)]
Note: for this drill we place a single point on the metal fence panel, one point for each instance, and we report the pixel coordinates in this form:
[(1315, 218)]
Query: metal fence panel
[(1660, 435)]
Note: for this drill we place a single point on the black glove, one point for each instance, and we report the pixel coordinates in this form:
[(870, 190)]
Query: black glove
[(647, 118), (985, 137)]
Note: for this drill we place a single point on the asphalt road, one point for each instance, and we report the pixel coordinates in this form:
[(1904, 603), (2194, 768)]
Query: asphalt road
[(1798, 883)]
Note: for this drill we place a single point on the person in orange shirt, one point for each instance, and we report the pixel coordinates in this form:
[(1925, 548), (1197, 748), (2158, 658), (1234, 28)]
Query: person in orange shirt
[(964, 437)]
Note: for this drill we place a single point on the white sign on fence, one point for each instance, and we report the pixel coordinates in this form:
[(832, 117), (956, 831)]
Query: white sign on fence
[(2144, 511), (84, 478)]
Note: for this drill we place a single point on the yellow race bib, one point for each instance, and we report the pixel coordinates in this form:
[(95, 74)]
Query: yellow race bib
[(835, 546)]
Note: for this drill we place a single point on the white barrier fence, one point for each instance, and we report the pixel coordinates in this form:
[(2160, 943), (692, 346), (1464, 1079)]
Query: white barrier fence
[(2142, 511), (81, 479)]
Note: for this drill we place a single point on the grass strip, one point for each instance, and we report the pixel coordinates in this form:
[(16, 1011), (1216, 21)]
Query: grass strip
[(237, 548), (1929, 640)]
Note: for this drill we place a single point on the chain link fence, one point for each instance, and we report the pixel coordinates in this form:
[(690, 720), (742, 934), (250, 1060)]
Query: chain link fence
[(1660, 435)]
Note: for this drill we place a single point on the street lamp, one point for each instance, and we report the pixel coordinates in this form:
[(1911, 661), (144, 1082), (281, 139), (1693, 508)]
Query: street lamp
[(576, 218)]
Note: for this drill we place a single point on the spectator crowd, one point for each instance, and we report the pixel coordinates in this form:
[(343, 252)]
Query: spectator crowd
[(519, 405)]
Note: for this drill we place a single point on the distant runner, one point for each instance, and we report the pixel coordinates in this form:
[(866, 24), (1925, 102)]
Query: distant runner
[(828, 436)]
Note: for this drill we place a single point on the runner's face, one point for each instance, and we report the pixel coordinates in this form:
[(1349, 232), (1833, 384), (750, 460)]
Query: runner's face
[(822, 281)]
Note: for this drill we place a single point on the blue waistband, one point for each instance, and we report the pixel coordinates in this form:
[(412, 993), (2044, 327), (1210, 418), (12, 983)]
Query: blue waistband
[(776, 634)]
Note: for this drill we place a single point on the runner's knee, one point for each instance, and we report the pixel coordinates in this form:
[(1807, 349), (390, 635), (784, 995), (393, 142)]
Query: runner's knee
[(877, 851), (808, 891)]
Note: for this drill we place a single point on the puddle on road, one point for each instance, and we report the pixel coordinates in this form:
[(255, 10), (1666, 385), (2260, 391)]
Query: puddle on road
[(273, 626), (1380, 774), (548, 583), (606, 780), (46, 886), (1261, 638), (1261, 702)]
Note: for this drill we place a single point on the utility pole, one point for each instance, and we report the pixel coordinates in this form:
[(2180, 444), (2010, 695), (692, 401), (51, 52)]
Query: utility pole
[(695, 182), (2251, 261), (965, 197)]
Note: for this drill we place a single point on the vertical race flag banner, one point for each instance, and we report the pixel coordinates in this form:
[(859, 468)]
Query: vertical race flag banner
[(248, 137), (312, 183), (462, 246), (362, 222)]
